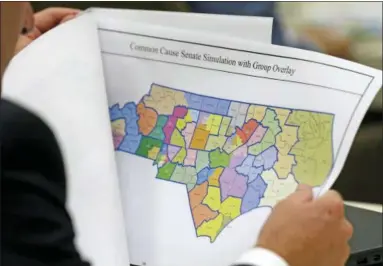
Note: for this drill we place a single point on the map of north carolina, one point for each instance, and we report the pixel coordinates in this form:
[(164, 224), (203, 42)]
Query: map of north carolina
[(231, 156)]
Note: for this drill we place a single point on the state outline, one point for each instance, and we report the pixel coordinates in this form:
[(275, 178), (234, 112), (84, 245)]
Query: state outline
[(249, 104)]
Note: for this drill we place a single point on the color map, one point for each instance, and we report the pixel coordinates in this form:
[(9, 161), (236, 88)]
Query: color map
[(232, 157)]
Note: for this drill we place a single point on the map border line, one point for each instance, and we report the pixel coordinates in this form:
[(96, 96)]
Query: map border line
[(210, 112)]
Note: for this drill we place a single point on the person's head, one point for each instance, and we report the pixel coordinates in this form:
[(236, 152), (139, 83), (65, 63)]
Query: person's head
[(14, 17)]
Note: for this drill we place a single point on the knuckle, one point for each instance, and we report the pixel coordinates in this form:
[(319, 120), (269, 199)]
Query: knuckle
[(347, 251), (336, 205), (344, 253), (336, 196), (348, 229)]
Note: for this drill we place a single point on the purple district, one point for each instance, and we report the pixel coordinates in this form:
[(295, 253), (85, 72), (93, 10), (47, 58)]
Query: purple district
[(254, 172), (253, 195), (244, 168), (223, 107), (172, 151), (169, 128), (209, 104), (232, 184), (203, 117), (238, 156), (194, 101), (267, 158), (247, 168), (180, 111)]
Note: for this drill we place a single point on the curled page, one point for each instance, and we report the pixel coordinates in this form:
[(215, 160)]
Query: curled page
[(247, 27), (60, 78), (63, 82), (210, 133)]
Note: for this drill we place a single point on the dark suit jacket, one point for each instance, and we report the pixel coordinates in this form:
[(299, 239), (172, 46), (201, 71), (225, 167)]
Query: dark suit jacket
[(36, 229)]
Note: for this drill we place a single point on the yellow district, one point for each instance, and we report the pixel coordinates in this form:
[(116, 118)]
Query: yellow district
[(256, 112), (214, 178), (180, 156), (224, 126), (118, 126), (177, 139), (153, 152), (313, 153), (213, 123), (211, 228), (163, 100), (231, 207), (214, 142), (181, 122), (282, 115), (235, 143), (284, 142), (286, 139), (213, 198), (283, 167)]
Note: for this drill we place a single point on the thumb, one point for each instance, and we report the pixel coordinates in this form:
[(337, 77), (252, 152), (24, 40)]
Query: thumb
[(67, 18), (303, 193), (51, 17)]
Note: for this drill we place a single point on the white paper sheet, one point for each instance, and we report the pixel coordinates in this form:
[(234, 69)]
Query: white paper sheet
[(318, 101), (62, 81), (60, 77), (247, 27)]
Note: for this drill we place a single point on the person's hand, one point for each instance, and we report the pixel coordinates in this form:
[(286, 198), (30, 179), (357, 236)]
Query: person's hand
[(44, 21), (306, 232)]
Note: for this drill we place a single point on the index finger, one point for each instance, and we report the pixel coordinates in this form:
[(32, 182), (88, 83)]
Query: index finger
[(50, 17)]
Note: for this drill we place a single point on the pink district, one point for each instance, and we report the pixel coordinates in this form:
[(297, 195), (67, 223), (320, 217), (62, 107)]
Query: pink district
[(169, 128), (117, 139), (188, 133), (238, 156), (172, 151), (257, 135), (180, 111)]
